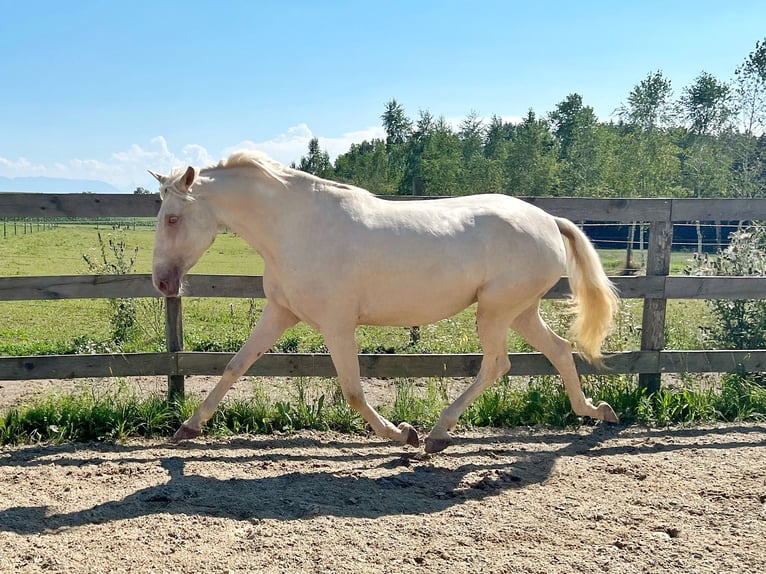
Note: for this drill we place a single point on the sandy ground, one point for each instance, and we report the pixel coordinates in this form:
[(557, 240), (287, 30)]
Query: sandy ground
[(598, 499)]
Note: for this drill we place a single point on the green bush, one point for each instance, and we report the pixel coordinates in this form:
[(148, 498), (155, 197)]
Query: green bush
[(739, 324)]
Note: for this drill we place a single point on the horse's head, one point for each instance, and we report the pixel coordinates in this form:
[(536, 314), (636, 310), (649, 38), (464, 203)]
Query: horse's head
[(186, 227)]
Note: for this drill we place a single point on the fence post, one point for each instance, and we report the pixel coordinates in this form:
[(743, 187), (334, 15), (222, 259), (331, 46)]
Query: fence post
[(174, 337), (653, 320)]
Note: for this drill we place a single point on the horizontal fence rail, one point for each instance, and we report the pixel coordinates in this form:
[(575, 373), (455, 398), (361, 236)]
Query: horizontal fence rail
[(86, 205), (29, 288), (656, 287), (378, 366)]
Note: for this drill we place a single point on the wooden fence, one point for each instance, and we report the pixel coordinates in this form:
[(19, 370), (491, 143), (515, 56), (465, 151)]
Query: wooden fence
[(649, 362)]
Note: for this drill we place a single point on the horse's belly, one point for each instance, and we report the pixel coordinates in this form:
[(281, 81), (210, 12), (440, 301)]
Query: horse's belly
[(406, 308)]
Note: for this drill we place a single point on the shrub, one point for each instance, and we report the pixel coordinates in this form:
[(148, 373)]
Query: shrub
[(113, 259), (740, 324)]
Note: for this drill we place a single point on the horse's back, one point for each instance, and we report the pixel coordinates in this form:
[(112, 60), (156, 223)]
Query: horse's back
[(481, 228), (425, 260)]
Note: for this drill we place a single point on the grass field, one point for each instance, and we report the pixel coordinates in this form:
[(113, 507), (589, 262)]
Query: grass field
[(40, 327)]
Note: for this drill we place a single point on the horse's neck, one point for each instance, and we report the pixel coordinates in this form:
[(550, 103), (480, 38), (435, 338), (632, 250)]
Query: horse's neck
[(256, 207)]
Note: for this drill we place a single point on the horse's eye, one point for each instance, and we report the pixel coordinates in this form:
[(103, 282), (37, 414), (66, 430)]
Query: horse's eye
[(173, 219)]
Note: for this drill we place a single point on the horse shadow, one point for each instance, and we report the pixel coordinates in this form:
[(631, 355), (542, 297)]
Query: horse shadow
[(408, 486)]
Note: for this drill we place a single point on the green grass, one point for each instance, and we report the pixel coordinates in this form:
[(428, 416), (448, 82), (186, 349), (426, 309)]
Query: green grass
[(59, 251), (120, 411), (53, 327)]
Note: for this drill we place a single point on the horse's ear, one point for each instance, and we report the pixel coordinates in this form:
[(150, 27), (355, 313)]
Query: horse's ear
[(188, 178), (157, 176)]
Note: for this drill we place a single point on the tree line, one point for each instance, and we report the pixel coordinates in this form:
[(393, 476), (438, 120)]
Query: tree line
[(709, 141)]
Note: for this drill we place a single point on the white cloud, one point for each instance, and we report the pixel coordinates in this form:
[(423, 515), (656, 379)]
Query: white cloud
[(289, 146), (126, 169), (20, 167)]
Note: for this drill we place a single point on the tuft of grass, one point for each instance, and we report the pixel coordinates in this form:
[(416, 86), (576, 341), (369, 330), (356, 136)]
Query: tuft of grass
[(120, 412), (419, 407)]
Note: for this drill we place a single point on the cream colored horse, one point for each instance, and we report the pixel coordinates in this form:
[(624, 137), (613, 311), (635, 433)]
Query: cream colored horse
[(337, 256)]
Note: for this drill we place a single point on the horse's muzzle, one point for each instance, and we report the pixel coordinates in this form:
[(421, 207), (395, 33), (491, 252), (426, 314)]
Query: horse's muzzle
[(167, 282)]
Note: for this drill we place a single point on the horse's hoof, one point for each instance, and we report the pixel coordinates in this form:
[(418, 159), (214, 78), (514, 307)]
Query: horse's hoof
[(437, 444), (607, 414), (185, 433), (412, 435)]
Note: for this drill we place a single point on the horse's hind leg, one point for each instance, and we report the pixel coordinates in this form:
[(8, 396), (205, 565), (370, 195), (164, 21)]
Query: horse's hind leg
[(343, 350), (492, 329), (531, 326)]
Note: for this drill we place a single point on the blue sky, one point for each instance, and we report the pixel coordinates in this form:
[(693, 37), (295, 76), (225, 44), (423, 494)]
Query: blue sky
[(104, 89)]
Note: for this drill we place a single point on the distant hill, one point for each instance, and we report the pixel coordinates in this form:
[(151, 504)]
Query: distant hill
[(55, 185)]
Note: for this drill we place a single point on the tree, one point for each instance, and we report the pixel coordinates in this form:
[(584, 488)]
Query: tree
[(581, 150), (317, 161), (398, 129), (532, 160), (479, 174), (441, 161), (471, 135), (750, 97), (750, 82), (497, 138), (142, 191), (396, 123), (649, 106), (706, 105), (706, 109), (412, 179), (366, 165), (646, 151)]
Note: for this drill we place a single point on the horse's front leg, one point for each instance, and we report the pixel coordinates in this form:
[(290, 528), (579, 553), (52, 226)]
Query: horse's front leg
[(342, 347), (273, 322)]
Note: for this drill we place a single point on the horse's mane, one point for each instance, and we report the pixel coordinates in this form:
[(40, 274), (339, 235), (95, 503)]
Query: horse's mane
[(276, 171), (256, 159)]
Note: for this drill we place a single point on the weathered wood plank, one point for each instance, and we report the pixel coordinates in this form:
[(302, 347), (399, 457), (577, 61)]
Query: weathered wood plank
[(379, 366), (84, 366), (405, 365), (696, 287), (629, 287), (587, 209), (578, 209), (251, 286), (653, 319), (717, 209), (117, 286), (246, 286), (79, 205), (597, 209), (174, 341), (75, 287), (753, 361)]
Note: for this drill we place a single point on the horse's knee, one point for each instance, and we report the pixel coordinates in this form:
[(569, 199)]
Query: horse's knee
[(496, 366), (233, 368)]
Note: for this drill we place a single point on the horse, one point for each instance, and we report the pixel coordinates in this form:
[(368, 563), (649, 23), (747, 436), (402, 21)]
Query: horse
[(337, 256)]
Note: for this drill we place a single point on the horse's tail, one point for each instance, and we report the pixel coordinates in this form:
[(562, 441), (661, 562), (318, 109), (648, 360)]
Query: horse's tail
[(594, 296)]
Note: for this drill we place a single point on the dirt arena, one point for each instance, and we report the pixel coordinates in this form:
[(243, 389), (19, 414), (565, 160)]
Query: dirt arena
[(603, 499)]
